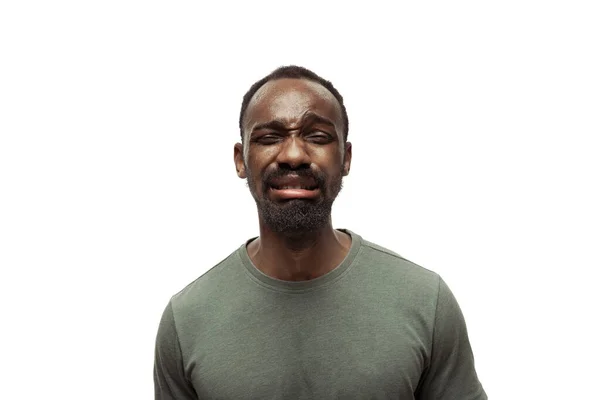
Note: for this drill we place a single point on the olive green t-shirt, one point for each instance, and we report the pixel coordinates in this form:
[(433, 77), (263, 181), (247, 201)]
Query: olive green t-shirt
[(375, 327)]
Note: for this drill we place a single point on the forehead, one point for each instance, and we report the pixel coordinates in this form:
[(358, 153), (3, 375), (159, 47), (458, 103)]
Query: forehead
[(286, 100)]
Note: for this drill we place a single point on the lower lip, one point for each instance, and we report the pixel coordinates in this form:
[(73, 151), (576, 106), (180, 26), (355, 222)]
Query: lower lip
[(295, 193)]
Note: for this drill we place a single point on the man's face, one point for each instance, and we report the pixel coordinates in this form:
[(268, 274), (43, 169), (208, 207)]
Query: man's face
[(293, 154)]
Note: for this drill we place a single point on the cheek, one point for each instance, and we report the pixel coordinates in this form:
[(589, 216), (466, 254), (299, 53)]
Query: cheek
[(258, 163), (261, 156), (330, 160), (254, 170)]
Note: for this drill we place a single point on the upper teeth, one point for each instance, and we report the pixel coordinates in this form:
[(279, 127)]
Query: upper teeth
[(294, 187)]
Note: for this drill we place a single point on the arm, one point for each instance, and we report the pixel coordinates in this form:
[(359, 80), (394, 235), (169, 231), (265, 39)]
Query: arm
[(451, 372), (170, 382)]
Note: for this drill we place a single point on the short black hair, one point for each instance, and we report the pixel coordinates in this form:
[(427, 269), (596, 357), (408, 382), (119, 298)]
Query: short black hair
[(293, 71)]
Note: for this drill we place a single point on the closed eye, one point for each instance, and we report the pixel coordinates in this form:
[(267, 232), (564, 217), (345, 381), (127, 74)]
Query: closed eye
[(320, 138), (317, 137), (267, 139)]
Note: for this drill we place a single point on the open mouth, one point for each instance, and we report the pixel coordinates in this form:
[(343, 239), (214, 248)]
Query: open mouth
[(288, 192), (286, 187)]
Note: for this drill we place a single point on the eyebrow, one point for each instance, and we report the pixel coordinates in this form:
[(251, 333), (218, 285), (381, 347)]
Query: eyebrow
[(309, 116)]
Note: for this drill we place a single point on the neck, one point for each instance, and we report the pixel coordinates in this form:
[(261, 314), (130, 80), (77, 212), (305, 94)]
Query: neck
[(298, 257)]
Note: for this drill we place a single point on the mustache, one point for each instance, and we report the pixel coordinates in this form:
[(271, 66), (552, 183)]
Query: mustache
[(317, 176)]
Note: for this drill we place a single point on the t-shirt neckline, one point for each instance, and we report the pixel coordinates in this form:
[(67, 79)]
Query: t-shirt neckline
[(301, 286)]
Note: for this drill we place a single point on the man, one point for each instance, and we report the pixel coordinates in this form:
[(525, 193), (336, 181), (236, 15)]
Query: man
[(306, 311)]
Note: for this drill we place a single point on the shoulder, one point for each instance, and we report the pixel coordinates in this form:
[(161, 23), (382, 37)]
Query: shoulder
[(208, 286), (397, 268)]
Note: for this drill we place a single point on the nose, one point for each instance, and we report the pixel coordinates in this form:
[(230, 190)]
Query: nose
[(293, 153)]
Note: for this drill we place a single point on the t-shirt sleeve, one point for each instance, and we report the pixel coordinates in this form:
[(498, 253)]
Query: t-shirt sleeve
[(170, 382), (451, 372)]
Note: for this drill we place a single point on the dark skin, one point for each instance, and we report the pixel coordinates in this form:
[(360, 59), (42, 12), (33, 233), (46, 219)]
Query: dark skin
[(294, 123)]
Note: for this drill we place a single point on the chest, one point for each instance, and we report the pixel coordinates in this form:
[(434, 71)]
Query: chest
[(307, 350)]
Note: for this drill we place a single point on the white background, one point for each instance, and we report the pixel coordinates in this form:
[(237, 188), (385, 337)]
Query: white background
[(475, 128)]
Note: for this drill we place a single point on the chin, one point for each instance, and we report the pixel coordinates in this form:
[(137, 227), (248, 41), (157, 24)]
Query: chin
[(294, 216)]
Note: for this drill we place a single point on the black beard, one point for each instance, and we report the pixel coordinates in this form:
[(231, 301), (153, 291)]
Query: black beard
[(296, 216)]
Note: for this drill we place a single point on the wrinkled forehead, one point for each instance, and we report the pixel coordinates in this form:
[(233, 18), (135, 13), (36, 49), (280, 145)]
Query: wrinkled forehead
[(287, 100)]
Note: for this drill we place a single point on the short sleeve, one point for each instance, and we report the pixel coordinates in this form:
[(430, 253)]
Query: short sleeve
[(451, 372), (170, 382)]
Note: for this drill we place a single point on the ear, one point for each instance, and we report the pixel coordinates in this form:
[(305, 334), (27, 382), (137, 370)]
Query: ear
[(238, 159), (347, 158)]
